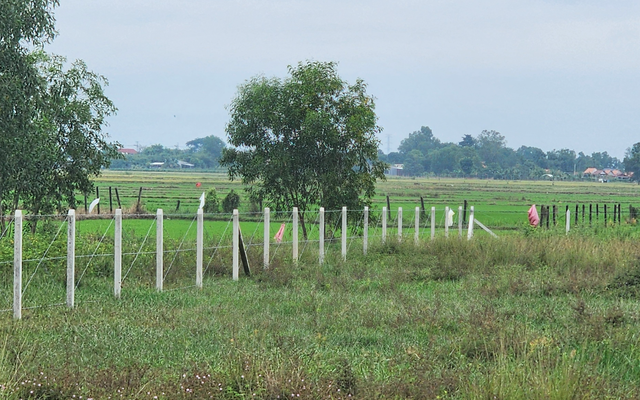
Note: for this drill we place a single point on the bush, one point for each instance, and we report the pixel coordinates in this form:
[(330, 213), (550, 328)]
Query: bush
[(231, 202), (211, 202)]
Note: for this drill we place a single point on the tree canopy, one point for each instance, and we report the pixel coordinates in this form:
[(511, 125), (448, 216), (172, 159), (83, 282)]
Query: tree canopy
[(304, 141), (51, 116), (632, 161)]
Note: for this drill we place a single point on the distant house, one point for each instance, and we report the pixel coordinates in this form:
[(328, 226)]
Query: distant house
[(127, 151), (156, 164), (606, 174), (395, 170), (184, 164)]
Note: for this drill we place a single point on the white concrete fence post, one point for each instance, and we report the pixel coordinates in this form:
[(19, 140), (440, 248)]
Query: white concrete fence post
[(384, 224), (71, 258), (117, 255), (236, 245), (365, 231), (460, 221), (446, 221), (399, 224), (321, 238), (159, 249), (17, 265), (416, 235), (199, 247), (295, 234), (568, 227), (267, 237), (344, 233), (471, 219), (433, 223)]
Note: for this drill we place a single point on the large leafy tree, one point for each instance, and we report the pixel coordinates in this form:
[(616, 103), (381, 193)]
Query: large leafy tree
[(51, 117), (305, 141)]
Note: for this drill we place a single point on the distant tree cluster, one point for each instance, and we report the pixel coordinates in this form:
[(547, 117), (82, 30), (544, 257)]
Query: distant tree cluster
[(487, 156), (201, 153)]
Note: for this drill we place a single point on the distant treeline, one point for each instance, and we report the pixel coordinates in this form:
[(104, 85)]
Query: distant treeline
[(487, 156), (484, 156)]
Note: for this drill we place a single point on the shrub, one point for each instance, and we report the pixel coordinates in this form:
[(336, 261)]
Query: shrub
[(211, 202), (231, 202)]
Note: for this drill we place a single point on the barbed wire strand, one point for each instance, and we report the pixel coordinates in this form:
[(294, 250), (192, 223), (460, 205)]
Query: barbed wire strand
[(179, 247), (153, 223), (94, 252), (43, 257)]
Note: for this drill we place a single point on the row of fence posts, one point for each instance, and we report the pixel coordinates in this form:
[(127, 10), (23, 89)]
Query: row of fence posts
[(111, 191), (117, 275), (549, 214)]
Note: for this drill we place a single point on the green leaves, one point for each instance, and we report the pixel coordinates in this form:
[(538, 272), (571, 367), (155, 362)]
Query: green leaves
[(308, 140)]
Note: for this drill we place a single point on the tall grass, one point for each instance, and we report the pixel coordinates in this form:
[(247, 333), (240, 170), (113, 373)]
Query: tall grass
[(539, 316)]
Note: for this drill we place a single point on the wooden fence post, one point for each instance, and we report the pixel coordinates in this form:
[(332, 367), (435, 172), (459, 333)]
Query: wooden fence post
[(118, 199), (590, 213), (267, 238), (159, 249), (464, 215), (110, 202), (117, 255), (71, 258), (555, 215), (576, 217), (17, 265)]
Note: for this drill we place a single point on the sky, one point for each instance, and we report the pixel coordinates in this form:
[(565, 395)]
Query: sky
[(546, 73)]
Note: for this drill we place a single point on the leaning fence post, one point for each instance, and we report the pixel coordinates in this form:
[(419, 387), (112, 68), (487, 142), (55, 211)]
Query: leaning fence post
[(199, 247), (321, 238), (343, 235), (236, 245), (117, 256), (365, 230), (71, 257), (159, 249), (399, 224), (446, 221), (295, 234), (471, 220), (17, 265), (433, 223), (460, 221), (568, 224), (384, 224), (267, 237), (416, 235)]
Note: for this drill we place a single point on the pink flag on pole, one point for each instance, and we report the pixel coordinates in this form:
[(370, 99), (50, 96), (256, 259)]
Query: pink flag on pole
[(534, 220), (280, 234)]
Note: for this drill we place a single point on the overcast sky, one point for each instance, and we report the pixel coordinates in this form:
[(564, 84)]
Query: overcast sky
[(544, 73)]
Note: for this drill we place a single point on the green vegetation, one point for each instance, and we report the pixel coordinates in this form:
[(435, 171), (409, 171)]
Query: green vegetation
[(539, 316)]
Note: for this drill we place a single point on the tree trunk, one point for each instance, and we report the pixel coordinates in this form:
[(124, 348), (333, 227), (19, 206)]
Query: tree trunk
[(303, 226)]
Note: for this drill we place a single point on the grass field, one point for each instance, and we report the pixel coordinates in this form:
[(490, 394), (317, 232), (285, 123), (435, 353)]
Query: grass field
[(536, 314), (497, 203)]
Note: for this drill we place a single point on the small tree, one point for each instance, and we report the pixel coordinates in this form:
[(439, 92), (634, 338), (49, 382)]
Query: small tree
[(211, 202), (231, 201), (306, 141)]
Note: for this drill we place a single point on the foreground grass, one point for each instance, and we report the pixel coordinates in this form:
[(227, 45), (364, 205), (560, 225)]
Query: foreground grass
[(539, 316)]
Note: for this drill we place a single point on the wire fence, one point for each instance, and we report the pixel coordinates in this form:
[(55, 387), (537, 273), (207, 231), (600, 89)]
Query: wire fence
[(175, 251)]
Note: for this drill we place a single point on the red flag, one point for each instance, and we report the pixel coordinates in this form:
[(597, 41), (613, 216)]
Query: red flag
[(534, 220)]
